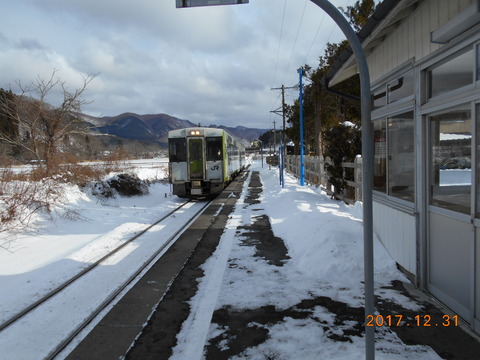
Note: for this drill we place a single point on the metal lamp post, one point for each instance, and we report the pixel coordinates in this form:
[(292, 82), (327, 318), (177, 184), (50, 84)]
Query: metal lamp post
[(367, 149), (367, 155)]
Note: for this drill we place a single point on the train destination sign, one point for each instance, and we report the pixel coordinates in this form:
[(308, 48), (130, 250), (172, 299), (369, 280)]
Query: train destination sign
[(193, 3)]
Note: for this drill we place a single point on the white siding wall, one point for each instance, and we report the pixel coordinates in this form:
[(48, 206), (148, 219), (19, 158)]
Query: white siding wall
[(397, 236), (412, 38)]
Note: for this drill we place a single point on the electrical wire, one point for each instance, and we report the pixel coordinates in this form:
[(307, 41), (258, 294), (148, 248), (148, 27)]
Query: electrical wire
[(279, 42), (334, 27), (296, 38), (315, 38)]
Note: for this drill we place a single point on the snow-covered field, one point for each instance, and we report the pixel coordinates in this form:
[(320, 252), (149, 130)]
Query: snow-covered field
[(324, 241), (59, 246)]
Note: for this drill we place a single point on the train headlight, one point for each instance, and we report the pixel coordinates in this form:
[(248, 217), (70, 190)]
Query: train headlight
[(196, 184), (195, 132)]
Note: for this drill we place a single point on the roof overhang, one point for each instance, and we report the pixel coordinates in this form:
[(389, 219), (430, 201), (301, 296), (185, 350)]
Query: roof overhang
[(387, 17), (459, 24)]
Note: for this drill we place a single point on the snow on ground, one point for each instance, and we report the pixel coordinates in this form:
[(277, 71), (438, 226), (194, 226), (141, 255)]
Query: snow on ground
[(325, 244), (324, 241), (77, 232), (32, 264)]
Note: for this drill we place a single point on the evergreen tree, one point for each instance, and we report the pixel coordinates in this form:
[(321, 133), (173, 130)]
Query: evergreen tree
[(8, 124), (359, 13), (325, 111)]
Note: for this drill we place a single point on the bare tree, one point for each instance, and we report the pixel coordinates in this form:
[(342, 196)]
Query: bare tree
[(43, 127)]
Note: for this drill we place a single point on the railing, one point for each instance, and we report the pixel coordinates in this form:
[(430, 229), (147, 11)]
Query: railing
[(316, 174)]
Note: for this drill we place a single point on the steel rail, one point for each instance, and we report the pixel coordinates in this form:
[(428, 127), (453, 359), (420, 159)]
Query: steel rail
[(60, 347), (55, 291)]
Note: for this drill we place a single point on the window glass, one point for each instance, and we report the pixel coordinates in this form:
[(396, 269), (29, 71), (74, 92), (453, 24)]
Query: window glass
[(379, 98), (177, 150), (401, 156), (195, 150), (400, 88), (214, 148), (195, 158), (452, 74), (478, 159), (450, 167), (380, 156), (477, 66)]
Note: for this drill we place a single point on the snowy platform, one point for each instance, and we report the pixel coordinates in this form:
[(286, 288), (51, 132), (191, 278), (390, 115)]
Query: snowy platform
[(282, 280)]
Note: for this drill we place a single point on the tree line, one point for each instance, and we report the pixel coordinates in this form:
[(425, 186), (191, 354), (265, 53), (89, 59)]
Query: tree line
[(32, 129), (332, 119)]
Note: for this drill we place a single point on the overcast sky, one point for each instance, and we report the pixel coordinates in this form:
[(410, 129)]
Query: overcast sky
[(213, 65)]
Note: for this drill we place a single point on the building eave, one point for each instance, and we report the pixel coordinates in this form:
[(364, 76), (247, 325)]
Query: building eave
[(386, 18)]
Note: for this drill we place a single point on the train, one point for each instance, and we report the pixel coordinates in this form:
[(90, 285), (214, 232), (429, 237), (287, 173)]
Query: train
[(203, 161)]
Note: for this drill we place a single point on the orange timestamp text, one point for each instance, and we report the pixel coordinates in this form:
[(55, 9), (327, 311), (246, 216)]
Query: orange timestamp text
[(417, 320)]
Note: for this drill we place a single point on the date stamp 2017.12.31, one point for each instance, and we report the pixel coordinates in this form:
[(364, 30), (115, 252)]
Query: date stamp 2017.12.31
[(417, 320)]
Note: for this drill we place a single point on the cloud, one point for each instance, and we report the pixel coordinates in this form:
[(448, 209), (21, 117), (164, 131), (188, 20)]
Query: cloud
[(209, 65), (29, 44), (201, 29)]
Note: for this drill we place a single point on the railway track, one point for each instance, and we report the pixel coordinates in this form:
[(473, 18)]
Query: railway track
[(48, 303)]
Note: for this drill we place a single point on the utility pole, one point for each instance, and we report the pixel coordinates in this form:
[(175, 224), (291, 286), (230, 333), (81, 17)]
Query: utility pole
[(282, 138), (282, 111), (274, 137)]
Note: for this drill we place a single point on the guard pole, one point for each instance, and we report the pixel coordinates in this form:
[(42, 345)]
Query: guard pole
[(367, 159), (302, 152)]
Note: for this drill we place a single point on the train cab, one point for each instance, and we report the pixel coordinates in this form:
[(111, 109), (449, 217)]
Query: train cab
[(201, 161)]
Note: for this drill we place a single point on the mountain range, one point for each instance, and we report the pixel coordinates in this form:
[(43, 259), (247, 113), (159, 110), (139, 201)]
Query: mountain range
[(154, 128)]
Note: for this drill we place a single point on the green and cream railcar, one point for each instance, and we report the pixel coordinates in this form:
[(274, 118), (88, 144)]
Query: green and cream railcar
[(202, 161)]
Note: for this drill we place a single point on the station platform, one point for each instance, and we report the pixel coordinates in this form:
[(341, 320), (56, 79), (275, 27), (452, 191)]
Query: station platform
[(223, 292)]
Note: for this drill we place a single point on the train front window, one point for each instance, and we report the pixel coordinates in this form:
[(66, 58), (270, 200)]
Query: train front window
[(195, 149), (177, 150), (214, 148)]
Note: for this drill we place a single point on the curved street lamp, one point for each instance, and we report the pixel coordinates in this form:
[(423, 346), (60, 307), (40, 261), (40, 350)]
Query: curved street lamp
[(367, 150)]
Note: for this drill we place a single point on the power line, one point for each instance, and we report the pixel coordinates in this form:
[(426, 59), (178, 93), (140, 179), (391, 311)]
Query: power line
[(296, 38), (295, 42), (315, 38), (334, 26), (275, 102), (280, 41)]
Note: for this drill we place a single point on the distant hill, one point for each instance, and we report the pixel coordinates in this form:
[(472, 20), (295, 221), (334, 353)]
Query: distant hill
[(243, 132), (155, 128), (150, 128)]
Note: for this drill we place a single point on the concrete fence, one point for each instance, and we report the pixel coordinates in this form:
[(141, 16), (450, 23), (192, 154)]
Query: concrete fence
[(316, 174)]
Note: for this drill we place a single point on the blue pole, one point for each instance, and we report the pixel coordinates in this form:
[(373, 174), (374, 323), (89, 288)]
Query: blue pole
[(282, 167), (302, 160)]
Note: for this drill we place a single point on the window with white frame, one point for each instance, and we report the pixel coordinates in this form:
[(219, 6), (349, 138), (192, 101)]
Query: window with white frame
[(394, 156), (394, 134), (395, 90), (401, 156), (380, 155), (450, 158), (453, 73)]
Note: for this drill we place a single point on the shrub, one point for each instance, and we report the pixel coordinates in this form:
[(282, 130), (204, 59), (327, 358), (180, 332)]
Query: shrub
[(20, 200), (23, 194), (341, 143), (128, 185)]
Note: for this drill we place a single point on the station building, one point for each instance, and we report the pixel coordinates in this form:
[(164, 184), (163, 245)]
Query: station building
[(424, 63)]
